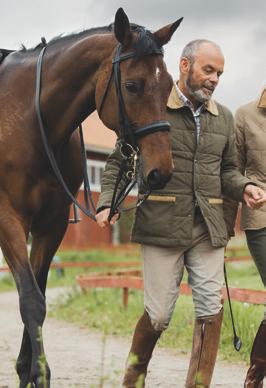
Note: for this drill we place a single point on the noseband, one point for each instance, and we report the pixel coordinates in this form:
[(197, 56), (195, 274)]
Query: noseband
[(128, 133)]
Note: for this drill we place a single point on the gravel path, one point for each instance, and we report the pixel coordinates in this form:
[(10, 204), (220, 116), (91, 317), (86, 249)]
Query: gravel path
[(78, 357)]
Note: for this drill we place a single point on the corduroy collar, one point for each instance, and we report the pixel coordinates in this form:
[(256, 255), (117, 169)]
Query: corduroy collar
[(174, 102), (262, 99)]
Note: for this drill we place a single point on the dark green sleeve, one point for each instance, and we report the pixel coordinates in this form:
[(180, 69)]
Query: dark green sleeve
[(109, 178)]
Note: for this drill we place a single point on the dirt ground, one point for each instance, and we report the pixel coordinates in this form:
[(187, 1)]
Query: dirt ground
[(79, 357)]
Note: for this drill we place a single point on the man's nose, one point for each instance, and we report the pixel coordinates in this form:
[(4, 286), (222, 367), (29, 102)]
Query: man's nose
[(214, 78)]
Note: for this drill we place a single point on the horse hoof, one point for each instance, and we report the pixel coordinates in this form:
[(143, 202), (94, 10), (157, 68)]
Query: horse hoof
[(40, 383), (25, 383)]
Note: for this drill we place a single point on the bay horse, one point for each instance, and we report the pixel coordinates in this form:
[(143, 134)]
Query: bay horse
[(75, 81)]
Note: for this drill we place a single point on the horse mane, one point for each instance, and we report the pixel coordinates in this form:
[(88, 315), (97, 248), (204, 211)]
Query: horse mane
[(144, 43)]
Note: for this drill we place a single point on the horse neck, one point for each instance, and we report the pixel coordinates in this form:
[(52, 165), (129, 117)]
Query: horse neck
[(69, 79)]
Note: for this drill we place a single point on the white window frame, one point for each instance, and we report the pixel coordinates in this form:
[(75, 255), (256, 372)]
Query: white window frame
[(96, 186), (98, 165)]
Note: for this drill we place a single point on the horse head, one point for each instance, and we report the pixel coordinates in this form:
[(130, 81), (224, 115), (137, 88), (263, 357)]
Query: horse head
[(137, 87)]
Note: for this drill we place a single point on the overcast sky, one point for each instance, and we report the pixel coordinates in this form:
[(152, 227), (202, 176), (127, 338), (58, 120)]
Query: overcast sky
[(238, 26)]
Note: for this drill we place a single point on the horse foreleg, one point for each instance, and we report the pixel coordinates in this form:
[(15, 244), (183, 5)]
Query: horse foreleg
[(31, 300), (44, 245), (23, 364), (33, 311)]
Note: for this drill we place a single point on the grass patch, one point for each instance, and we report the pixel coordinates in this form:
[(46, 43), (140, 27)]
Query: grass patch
[(244, 275), (247, 319), (96, 255), (6, 282), (102, 309)]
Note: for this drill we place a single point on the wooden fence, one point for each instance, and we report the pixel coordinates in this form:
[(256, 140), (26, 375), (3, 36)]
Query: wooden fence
[(126, 280), (131, 279)]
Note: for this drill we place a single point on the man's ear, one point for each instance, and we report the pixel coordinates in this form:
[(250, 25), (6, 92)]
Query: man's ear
[(184, 65), (122, 27)]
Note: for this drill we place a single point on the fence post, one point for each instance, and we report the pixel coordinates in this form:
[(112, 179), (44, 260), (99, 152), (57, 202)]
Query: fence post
[(125, 297)]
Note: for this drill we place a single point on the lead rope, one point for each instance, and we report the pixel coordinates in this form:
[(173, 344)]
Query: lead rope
[(236, 341)]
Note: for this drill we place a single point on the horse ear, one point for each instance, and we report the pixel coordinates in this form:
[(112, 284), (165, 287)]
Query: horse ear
[(164, 34), (122, 27)]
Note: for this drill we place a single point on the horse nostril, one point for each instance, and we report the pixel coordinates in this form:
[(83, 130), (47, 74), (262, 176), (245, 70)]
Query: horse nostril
[(153, 179), (156, 180)]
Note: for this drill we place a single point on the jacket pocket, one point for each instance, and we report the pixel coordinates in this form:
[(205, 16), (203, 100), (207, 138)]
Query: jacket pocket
[(155, 217)]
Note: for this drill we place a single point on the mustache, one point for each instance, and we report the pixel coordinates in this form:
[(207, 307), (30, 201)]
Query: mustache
[(209, 86)]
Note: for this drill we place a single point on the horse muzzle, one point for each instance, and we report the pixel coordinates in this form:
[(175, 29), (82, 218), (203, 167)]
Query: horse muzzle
[(156, 180)]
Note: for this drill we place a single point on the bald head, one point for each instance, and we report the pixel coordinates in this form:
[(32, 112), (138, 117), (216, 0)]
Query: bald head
[(201, 65), (194, 47)]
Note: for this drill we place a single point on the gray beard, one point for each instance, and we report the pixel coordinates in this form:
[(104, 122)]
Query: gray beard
[(198, 94)]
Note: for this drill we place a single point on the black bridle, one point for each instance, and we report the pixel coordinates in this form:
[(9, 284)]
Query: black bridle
[(128, 133), (128, 138)]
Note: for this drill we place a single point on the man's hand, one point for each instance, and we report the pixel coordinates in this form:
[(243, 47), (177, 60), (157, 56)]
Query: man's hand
[(254, 196), (102, 218)]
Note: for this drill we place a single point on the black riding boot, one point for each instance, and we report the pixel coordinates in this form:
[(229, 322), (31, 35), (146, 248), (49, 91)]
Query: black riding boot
[(257, 369)]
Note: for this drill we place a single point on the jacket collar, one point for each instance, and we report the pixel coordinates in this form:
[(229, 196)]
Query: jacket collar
[(262, 100), (174, 102)]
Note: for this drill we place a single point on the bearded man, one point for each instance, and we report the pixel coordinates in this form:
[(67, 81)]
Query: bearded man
[(183, 225)]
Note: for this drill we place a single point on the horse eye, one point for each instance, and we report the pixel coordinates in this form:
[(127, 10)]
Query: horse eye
[(132, 87)]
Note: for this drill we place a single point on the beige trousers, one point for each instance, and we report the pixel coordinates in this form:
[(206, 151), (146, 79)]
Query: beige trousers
[(163, 270)]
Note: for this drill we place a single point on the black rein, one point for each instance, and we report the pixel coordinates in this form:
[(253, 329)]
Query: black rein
[(128, 139), (50, 153)]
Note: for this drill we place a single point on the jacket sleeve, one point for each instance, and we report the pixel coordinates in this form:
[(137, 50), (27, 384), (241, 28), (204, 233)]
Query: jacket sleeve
[(108, 179), (233, 180), (240, 142)]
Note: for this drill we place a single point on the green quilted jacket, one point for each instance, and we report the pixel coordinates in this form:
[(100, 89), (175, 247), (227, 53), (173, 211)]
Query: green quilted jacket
[(205, 172)]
